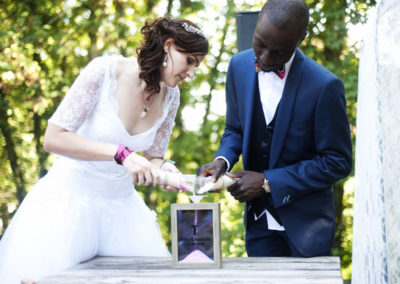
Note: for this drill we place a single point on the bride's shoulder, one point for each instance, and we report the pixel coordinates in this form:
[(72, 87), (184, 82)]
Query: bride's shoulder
[(126, 66)]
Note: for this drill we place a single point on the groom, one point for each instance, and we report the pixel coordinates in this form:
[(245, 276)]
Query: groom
[(286, 116)]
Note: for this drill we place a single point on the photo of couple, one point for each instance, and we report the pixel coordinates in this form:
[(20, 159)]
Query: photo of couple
[(286, 126)]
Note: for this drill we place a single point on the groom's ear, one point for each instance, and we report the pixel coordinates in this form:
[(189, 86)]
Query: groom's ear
[(167, 44)]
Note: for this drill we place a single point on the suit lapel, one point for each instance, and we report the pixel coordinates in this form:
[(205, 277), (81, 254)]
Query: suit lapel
[(250, 95), (285, 109)]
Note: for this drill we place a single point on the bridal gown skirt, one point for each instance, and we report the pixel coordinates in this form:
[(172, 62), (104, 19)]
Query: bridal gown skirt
[(71, 215)]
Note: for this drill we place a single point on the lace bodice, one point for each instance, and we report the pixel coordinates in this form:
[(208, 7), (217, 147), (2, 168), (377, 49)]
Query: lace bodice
[(90, 110)]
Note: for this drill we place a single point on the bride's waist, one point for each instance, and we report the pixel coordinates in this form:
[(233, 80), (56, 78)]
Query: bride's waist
[(104, 170), (90, 179)]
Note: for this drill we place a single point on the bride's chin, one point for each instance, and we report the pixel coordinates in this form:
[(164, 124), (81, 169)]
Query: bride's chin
[(171, 84)]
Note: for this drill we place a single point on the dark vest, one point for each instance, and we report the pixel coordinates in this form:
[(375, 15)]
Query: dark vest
[(261, 154), (261, 137)]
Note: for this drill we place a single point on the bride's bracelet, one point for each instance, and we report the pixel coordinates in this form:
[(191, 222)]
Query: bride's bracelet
[(122, 152)]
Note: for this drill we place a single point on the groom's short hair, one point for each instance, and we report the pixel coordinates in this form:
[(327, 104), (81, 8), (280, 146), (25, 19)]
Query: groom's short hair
[(287, 13)]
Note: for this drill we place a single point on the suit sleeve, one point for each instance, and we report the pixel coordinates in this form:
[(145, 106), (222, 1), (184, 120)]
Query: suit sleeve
[(232, 139), (332, 159)]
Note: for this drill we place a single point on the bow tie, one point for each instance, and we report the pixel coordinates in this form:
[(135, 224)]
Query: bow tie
[(280, 71)]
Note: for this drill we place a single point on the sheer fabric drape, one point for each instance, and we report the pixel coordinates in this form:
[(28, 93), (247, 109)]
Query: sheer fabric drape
[(376, 226)]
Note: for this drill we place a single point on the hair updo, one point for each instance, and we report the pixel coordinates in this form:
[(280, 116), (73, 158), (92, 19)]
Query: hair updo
[(187, 38)]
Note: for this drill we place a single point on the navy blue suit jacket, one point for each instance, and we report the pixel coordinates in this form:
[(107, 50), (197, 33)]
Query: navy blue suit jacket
[(310, 148)]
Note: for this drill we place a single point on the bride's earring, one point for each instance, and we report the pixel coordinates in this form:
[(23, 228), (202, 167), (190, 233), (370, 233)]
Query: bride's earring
[(164, 64)]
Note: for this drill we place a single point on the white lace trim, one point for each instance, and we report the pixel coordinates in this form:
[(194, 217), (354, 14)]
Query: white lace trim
[(82, 97), (160, 144)]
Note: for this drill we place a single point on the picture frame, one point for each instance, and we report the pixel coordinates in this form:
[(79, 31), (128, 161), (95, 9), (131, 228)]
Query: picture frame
[(196, 235)]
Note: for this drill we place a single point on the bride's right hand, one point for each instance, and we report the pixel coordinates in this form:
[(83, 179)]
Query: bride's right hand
[(142, 171)]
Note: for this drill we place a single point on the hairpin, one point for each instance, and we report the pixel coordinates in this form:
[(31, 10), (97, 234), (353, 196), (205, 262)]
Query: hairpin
[(191, 29)]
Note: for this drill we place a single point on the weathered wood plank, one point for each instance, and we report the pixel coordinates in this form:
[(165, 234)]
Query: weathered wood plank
[(234, 270), (231, 263)]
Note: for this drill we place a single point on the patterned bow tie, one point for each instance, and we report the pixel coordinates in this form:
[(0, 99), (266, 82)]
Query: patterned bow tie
[(280, 71)]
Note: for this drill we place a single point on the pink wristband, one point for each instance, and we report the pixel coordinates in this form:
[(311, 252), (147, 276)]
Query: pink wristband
[(121, 154)]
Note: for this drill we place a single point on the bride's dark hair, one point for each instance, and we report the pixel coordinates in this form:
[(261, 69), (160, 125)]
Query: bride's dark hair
[(187, 38)]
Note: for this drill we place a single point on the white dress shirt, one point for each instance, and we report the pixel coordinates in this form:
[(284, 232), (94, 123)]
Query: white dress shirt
[(271, 89)]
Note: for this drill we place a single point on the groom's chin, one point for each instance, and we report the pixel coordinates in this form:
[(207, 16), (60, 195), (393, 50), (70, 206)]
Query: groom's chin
[(268, 68)]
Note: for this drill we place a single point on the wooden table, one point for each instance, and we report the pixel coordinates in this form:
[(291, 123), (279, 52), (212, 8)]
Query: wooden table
[(234, 270)]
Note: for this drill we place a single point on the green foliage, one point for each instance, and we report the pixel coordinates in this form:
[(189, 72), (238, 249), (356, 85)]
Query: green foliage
[(45, 43)]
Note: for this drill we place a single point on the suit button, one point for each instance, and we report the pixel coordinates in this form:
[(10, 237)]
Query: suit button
[(264, 146)]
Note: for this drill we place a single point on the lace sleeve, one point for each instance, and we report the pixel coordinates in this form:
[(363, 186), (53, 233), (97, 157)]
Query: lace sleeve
[(82, 97), (160, 144)]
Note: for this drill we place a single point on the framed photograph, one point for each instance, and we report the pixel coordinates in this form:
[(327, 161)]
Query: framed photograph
[(196, 232)]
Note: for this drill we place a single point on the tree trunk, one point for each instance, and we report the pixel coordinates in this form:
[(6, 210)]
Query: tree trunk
[(6, 130)]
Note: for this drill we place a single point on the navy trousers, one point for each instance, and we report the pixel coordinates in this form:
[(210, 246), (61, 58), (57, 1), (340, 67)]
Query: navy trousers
[(263, 242)]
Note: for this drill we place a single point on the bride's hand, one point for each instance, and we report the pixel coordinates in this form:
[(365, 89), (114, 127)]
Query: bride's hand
[(142, 171), (170, 167)]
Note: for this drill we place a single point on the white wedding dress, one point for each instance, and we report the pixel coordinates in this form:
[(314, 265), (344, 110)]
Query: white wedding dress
[(81, 209)]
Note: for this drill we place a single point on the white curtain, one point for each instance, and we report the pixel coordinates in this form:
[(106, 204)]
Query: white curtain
[(376, 225)]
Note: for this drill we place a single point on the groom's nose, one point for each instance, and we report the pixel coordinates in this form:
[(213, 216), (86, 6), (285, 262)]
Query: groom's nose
[(266, 58)]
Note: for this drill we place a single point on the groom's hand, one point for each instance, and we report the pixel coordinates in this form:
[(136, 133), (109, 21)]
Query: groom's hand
[(216, 168), (248, 187)]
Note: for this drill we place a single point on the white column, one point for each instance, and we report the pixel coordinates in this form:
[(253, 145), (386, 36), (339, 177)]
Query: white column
[(376, 226)]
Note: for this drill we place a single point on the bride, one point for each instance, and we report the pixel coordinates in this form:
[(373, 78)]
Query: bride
[(87, 205)]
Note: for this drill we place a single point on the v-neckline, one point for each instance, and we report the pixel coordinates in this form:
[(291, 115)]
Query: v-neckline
[(115, 103), (113, 86)]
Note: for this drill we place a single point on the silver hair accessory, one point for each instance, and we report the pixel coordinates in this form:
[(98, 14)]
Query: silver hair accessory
[(191, 29)]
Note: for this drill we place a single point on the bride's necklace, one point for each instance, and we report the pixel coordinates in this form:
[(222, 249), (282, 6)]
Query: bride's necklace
[(144, 112), (146, 108)]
